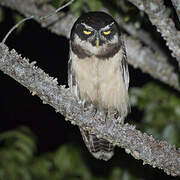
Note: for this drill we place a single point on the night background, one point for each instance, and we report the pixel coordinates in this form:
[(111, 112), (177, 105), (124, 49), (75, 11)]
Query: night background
[(51, 148)]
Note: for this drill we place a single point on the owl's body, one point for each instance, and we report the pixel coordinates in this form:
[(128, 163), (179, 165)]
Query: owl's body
[(98, 72), (101, 82)]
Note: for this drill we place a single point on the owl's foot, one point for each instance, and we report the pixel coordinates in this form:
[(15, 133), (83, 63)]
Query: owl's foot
[(113, 117), (88, 106)]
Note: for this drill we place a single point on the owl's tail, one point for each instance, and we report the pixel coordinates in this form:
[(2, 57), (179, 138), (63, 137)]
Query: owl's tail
[(99, 148)]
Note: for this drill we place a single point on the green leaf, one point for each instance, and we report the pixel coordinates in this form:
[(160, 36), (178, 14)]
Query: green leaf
[(1, 14), (18, 18), (67, 159), (19, 140), (161, 109), (76, 7), (41, 167), (57, 3), (170, 134), (94, 5), (116, 173)]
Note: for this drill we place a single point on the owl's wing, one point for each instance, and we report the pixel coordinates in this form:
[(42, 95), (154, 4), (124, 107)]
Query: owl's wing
[(73, 85), (70, 74), (99, 148), (124, 64)]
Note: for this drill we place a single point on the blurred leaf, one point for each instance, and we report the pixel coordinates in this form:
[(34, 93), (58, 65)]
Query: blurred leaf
[(68, 160), (18, 140), (116, 174), (126, 175), (57, 3), (8, 155), (127, 18), (18, 18), (135, 93), (94, 5), (41, 167), (161, 111), (171, 134), (76, 7), (1, 14)]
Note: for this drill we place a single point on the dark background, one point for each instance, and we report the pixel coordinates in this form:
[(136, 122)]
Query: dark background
[(18, 107)]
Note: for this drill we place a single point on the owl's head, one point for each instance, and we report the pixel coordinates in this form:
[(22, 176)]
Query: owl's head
[(95, 32)]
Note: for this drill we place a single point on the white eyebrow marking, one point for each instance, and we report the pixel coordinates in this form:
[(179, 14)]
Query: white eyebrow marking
[(87, 27), (107, 27)]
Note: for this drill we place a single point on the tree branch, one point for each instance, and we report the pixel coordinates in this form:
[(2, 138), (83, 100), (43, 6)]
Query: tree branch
[(59, 24), (154, 63), (160, 69), (140, 145), (40, 2), (140, 34), (156, 12), (176, 4)]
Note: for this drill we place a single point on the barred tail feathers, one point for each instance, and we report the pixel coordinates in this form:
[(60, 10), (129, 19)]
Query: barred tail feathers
[(98, 147)]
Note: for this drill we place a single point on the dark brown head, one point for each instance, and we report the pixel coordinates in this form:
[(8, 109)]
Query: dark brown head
[(96, 33)]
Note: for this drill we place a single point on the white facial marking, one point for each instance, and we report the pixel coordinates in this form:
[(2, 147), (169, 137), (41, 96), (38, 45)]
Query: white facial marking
[(86, 45), (107, 27), (87, 27)]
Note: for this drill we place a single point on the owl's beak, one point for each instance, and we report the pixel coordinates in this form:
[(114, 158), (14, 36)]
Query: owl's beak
[(97, 42)]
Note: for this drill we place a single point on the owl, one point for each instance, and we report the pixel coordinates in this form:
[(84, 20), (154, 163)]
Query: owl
[(98, 72)]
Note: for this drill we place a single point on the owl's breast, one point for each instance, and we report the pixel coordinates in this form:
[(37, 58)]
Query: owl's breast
[(100, 81)]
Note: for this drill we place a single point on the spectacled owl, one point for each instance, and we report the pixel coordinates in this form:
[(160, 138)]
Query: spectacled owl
[(98, 72)]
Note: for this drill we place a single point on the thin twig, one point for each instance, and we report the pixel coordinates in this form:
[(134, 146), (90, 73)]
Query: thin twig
[(14, 27), (33, 17), (161, 70), (57, 10)]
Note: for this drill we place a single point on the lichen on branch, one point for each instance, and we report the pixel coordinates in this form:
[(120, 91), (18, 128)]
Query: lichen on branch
[(140, 145)]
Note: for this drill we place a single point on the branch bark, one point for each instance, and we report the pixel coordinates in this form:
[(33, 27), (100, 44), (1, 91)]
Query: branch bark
[(140, 34), (176, 4), (140, 145), (156, 12), (153, 63), (58, 24)]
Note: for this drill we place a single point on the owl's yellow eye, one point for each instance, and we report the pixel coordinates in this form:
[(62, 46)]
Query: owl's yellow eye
[(107, 32), (87, 32)]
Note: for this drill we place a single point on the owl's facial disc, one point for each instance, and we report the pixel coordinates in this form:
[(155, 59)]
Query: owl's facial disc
[(98, 37)]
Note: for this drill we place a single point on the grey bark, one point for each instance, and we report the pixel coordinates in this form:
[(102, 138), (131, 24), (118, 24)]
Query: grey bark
[(176, 4), (154, 63), (140, 145), (156, 12)]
